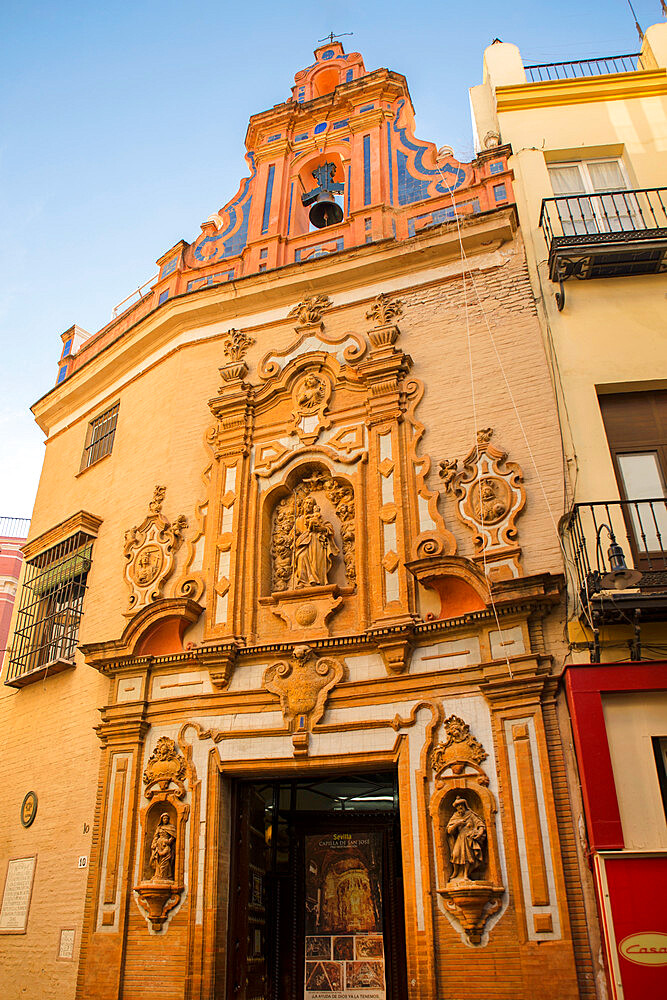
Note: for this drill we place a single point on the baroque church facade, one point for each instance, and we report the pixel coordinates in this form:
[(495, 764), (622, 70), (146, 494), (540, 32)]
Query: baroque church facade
[(292, 607)]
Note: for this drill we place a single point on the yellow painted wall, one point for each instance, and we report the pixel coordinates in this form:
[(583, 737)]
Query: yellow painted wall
[(611, 334), (631, 720)]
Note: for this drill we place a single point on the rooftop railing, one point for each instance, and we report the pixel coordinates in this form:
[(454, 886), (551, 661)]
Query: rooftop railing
[(134, 297), (579, 68), (14, 527)]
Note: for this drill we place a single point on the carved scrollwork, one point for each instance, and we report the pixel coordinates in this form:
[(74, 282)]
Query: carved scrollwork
[(459, 747), (433, 538), (310, 310), (149, 551), (490, 497), (347, 348), (165, 767), (302, 683), (385, 310), (235, 345)]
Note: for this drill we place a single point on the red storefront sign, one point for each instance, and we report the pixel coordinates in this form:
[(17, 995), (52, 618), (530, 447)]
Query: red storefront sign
[(632, 889)]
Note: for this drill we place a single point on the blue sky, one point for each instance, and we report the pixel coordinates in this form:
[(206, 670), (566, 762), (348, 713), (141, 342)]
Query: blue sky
[(122, 128)]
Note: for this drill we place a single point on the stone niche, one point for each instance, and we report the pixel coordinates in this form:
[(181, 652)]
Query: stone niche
[(463, 812), (309, 559), (162, 835)]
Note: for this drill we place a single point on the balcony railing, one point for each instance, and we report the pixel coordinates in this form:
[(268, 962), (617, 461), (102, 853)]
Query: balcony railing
[(607, 234), (640, 526), (579, 68)]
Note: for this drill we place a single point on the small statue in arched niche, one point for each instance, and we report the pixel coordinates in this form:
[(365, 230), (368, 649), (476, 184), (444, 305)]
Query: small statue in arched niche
[(312, 527), (314, 547), (466, 833), (163, 849)]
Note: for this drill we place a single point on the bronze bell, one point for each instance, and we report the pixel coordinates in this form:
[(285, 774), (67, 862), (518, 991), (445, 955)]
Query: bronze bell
[(325, 211)]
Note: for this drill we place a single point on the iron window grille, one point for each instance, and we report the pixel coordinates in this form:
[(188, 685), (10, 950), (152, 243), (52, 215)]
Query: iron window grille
[(50, 609), (99, 439)]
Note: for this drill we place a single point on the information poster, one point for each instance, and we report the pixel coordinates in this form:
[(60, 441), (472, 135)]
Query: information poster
[(345, 958)]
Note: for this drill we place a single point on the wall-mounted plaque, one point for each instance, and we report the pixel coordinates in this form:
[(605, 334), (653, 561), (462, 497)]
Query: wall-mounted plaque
[(29, 809), (16, 895), (66, 947)]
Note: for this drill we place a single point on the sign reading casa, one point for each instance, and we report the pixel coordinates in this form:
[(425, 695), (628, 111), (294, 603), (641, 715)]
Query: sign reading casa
[(647, 948)]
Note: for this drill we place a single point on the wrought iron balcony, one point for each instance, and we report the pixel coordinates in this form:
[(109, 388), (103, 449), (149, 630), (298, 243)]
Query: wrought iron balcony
[(640, 526), (578, 68), (606, 235)]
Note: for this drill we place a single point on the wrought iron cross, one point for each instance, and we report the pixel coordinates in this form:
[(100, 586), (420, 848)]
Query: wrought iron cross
[(330, 37)]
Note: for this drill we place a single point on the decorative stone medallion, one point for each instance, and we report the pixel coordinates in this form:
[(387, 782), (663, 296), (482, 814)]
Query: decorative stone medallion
[(149, 554)]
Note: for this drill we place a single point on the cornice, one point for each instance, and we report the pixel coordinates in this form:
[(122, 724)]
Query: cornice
[(277, 150), (368, 120), (83, 520), (587, 90), (109, 655)]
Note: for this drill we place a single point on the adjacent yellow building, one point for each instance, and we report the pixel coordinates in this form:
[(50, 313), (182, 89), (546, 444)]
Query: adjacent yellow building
[(589, 155)]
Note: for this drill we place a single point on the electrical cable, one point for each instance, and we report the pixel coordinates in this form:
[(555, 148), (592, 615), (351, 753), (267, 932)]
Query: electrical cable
[(466, 267)]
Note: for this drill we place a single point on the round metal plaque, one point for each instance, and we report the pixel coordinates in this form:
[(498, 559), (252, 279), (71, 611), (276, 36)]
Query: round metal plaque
[(29, 809)]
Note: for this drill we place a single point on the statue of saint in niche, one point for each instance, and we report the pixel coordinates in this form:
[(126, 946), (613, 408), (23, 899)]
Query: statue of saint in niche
[(466, 833), (314, 547), (163, 849)]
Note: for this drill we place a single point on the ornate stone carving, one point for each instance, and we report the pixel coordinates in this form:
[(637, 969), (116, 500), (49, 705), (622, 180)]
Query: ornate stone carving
[(346, 348), (303, 544), (235, 345), (490, 500), (460, 746), (466, 832), (163, 849), (310, 310), (159, 493), (230, 436), (463, 812), (149, 553), (314, 547), (447, 471), (310, 395), (302, 683), (162, 837), (490, 497), (164, 767), (385, 310)]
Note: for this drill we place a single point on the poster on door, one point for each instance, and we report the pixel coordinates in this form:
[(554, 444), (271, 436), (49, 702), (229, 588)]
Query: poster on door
[(344, 948)]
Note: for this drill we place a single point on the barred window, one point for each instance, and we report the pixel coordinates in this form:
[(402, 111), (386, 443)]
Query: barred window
[(99, 439), (50, 608)]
